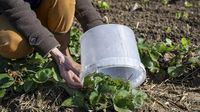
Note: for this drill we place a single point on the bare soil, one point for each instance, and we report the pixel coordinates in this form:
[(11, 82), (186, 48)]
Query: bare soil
[(150, 21)]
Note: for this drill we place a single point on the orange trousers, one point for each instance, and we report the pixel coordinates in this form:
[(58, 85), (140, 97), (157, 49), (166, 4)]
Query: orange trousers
[(56, 15)]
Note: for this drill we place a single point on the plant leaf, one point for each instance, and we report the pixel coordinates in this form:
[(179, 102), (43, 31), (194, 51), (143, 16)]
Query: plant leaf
[(138, 99), (118, 109), (93, 98), (148, 63), (195, 60), (56, 76), (28, 84), (162, 47), (43, 75), (168, 30), (175, 71), (6, 81), (89, 82), (188, 4), (120, 98), (154, 56), (103, 5), (2, 93), (74, 101), (178, 15), (74, 45), (185, 43), (69, 102), (168, 41), (165, 2)]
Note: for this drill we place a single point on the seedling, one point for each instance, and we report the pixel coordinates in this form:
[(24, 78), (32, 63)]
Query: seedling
[(188, 4), (182, 15), (185, 15), (188, 27), (165, 2), (178, 15), (103, 5), (168, 30), (185, 43), (146, 1)]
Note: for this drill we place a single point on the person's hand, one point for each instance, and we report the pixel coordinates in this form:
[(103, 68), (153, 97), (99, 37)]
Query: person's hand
[(67, 70)]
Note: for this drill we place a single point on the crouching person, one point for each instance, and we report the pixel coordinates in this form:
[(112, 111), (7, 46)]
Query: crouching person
[(44, 26)]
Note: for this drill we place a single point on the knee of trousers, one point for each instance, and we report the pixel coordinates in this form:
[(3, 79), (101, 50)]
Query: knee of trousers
[(13, 46), (59, 15)]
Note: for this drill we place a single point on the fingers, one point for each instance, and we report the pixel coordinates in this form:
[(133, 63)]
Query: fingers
[(69, 66), (73, 66), (75, 71), (69, 74), (77, 79), (73, 79)]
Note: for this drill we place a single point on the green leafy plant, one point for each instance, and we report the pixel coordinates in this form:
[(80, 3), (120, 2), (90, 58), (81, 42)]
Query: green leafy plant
[(182, 15), (5, 82), (43, 75), (178, 15), (188, 4), (168, 57), (146, 1), (185, 15), (26, 75), (165, 2), (101, 93), (74, 45), (168, 30), (103, 5)]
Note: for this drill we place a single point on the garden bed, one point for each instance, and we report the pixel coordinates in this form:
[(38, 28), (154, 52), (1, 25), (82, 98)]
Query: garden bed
[(154, 21)]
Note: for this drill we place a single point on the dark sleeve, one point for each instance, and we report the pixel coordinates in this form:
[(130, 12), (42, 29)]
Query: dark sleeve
[(25, 21), (87, 15)]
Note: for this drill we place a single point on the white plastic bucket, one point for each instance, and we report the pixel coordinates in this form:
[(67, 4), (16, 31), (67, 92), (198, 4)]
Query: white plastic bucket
[(112, 49)]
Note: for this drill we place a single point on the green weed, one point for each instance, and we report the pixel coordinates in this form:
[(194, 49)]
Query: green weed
[(165, 2), (103, 5), (188, 4)]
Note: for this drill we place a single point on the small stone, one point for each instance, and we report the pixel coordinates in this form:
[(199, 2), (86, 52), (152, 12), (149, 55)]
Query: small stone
[(136, 7)]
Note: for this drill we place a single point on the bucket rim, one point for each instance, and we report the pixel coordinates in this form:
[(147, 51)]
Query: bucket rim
[(133, 84), (141, 66), (85, 33)]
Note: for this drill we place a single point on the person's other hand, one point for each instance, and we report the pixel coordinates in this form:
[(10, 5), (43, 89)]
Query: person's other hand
[(68, 72)]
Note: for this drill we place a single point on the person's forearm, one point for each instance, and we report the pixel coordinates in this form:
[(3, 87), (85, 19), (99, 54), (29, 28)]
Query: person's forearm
[(25, 21), (87, 14)]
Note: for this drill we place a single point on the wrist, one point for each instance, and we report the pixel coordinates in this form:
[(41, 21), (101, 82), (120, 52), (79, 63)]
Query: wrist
[(57, 54)]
